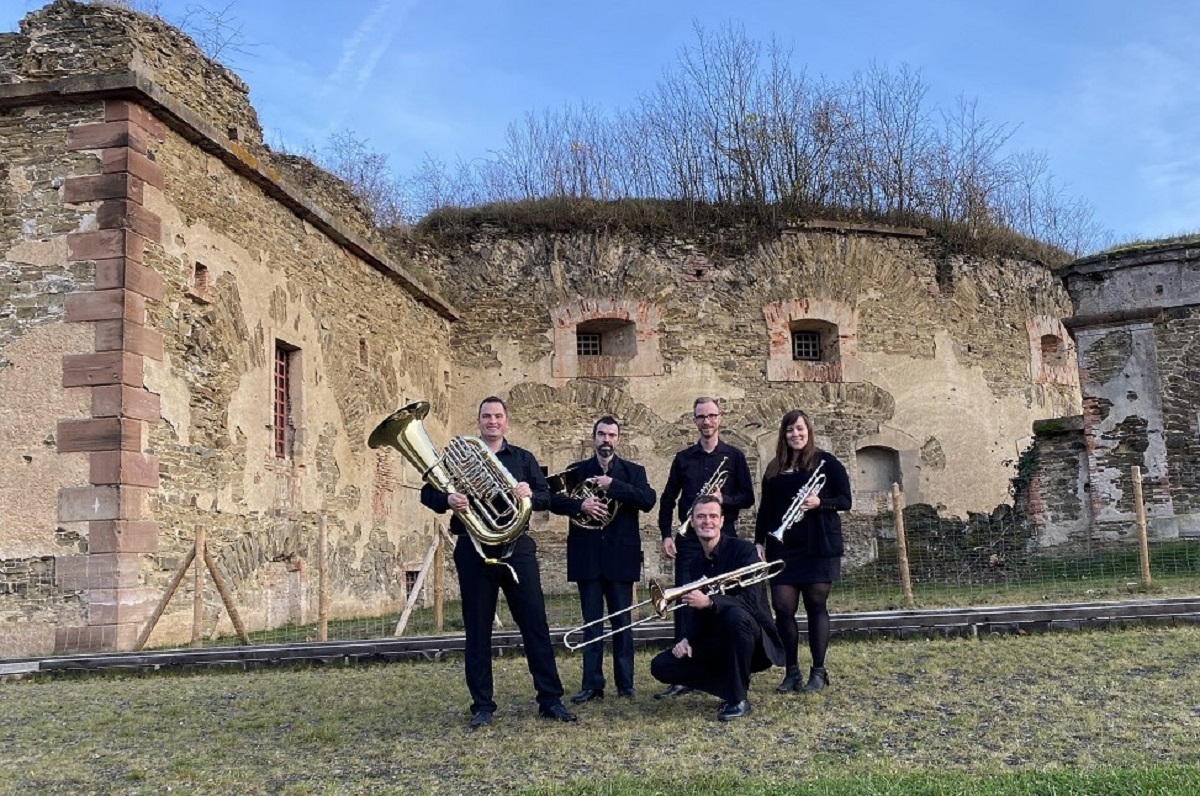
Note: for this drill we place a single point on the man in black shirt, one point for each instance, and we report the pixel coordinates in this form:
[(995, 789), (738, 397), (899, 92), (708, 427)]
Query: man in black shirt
[(511, 567), (690, 472), (604, 553), (726, 636)]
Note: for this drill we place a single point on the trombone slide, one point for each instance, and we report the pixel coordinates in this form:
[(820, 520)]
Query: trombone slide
[(666, 601)]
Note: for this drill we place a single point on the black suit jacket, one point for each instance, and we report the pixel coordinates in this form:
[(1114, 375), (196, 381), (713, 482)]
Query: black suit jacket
[(614, 552), (731, 554)]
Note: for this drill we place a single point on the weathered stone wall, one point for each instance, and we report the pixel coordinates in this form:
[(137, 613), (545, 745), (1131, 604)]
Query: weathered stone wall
[(1052, 483), (35, 279), (1135, 324), (68, 38), (364, 348), (152, 257), (939, 363), (1178, 338)]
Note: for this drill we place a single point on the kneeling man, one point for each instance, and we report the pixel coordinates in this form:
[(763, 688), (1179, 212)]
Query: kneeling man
[(728, 636)]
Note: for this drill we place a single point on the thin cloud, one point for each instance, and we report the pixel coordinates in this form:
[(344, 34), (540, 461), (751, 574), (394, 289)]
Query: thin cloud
[(374, 35)]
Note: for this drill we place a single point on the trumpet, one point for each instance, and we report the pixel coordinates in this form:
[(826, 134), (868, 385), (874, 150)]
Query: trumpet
[(796, 510), (714, 484), (666, 601)]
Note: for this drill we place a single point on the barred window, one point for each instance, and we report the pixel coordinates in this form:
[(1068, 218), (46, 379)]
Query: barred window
[(587, 344), (282, 426), (806, 345)]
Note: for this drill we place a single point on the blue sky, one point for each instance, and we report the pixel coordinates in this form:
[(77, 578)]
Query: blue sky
[(1107, 89)]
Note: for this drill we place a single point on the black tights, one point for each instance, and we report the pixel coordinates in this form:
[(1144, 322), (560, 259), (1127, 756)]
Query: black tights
[(785, 599)]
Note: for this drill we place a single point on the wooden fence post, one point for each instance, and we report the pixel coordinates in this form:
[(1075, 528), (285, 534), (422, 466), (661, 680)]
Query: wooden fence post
[(322, 581), (198, 595), (902, 545), (439, 587), (1143, 539), (176, 579), (411, 601)]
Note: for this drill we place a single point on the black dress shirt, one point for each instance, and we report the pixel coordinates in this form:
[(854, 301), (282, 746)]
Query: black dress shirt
[(690, 471)]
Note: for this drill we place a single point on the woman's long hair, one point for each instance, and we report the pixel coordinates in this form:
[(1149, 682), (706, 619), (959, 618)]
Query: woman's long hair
[(785, 457)]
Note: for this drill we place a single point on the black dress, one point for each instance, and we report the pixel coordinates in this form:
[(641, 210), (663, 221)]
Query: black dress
[(812, 548)]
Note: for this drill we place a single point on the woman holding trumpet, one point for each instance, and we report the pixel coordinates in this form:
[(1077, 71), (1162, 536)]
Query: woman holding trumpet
[(803, 489)]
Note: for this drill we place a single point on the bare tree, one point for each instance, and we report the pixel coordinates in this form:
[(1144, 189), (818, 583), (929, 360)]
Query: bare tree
[(368, 174), (731, 123)]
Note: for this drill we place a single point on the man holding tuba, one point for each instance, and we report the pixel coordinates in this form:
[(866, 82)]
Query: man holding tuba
[(511, 567), (727, 636), (604, 552), (696, 470)]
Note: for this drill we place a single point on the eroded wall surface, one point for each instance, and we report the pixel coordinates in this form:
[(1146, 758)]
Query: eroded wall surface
[(1137, 325), (155, 259), (35, 280), (935, 361)]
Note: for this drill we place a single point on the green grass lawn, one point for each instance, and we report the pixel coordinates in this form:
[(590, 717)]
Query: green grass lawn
[(1115, 711)]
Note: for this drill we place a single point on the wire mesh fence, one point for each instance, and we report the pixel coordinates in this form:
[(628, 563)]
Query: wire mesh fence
[(911, 558)]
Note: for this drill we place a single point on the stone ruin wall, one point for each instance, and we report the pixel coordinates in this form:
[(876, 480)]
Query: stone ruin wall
[(1138, 329), (365, 348), (35, 279), (939, 361), (936, 352), (367, 343)]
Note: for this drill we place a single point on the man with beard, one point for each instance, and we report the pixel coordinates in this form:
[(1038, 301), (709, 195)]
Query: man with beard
[(691, 470), (604, 553)]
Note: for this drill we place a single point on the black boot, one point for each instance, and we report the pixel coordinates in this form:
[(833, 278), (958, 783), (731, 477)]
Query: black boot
[(818, 678), (791, 680)]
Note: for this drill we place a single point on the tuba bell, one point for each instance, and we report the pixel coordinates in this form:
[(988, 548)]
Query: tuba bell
[(494, 514)]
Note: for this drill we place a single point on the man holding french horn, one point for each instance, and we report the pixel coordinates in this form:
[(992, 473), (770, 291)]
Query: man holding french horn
[(709, 467), (603, 496)]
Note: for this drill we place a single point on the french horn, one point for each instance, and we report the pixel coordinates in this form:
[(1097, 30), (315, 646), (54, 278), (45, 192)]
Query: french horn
[(570, 483)]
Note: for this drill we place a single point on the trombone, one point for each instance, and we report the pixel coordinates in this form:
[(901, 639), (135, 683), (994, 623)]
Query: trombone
[(666, 601)]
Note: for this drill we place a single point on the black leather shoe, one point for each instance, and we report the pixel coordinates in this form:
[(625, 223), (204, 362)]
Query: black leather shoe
[(481, 719), (818, 678), (627, 692), (558, 713), (791, 681), (673, 691), (587, 695), (735, 710)]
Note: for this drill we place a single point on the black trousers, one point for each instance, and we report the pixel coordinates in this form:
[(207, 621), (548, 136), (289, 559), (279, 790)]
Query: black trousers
[(480, 584), (687, 550), (593, 594), (722, 655)]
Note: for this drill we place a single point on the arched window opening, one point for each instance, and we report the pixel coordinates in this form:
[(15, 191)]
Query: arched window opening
[(878, 469)]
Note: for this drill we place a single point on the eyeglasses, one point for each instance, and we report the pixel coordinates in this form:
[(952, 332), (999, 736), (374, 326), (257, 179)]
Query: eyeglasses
[(714, 416)]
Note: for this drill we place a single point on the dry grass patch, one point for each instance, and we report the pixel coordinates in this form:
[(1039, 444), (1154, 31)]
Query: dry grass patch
[(971, 710)]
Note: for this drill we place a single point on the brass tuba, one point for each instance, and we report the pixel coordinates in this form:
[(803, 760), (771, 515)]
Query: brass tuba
[(494, 514), (570, 483)]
